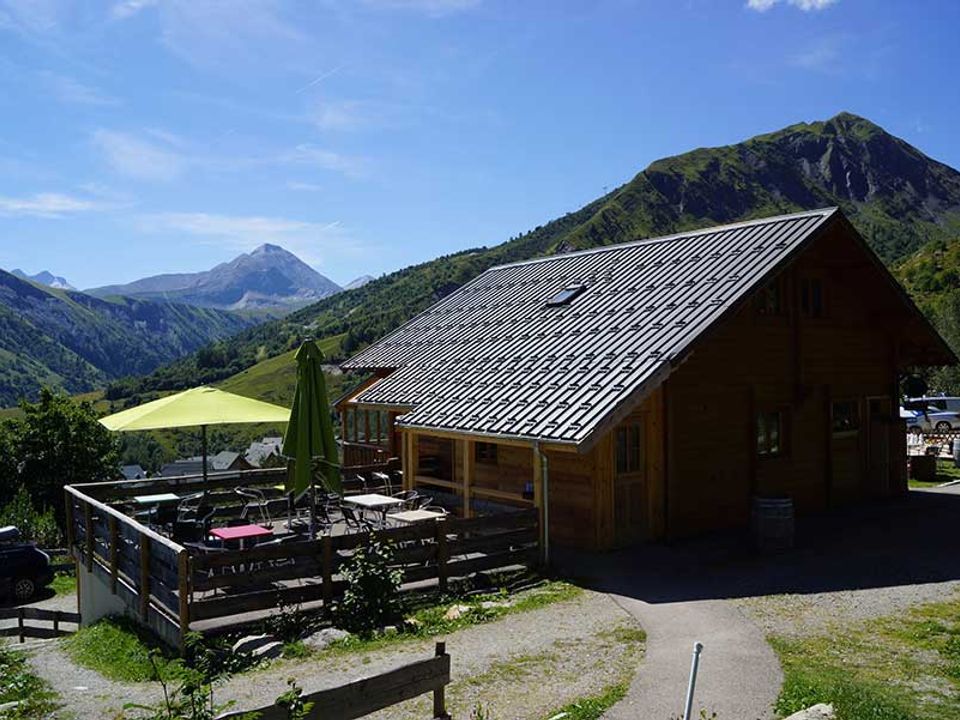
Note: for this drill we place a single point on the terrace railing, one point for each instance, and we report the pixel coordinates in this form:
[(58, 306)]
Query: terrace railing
[(172, 590)]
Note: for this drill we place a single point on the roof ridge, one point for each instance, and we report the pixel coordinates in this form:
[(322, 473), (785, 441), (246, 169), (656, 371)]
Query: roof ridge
[(824, 212)]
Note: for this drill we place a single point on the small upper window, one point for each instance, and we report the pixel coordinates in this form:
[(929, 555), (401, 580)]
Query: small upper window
[(770, 434), (811, 297), (769, 300), (566, 296)]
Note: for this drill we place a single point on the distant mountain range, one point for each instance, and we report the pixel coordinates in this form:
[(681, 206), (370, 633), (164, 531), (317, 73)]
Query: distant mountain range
[(72, 341), (45, 278), (905, 204), (358, 282), (269, 278)]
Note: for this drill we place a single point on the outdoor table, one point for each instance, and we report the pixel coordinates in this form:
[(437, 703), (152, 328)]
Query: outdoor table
[(240, 532), (158, 499), (415, 516), (374, 501)]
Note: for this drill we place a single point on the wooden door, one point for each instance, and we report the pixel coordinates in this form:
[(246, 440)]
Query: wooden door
[(879, 416), (630, 484)]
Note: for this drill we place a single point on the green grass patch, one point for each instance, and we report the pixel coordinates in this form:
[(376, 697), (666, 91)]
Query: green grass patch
[(19, 684), (905, 667), (64, 584), (118, 649), (435, 620), (947, 471), (594, 706)]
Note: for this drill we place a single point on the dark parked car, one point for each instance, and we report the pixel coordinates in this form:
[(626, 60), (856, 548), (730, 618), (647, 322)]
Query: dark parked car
[(23, 568)]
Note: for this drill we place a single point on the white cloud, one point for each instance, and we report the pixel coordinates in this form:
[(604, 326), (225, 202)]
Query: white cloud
[(304, 186), (805, 5), (139, 158), (46, 205), (68, 90), (307, 154), (312, 242), (430, 7), (128, 8)]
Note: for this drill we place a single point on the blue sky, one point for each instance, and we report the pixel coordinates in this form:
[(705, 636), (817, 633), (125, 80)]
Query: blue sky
[(139, 136)]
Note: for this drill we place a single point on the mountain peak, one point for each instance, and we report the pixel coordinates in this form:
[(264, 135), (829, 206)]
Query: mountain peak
[(44, 277), (268, 249)]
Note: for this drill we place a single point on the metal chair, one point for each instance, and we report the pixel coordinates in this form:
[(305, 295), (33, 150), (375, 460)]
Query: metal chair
[(256, 503)]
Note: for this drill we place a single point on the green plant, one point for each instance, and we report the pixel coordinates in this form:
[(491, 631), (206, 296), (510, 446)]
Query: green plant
[(292, 701), (18, 684), (35, 525), (288, 623), (214, 658), (370, 601), (118, 649)]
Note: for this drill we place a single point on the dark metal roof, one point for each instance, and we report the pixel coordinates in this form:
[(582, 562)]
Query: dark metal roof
[(494, 359)]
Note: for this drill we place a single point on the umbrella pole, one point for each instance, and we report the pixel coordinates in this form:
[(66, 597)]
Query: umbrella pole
[(203, 444)]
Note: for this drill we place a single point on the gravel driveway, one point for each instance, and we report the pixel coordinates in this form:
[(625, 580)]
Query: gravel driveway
[(522, 666)]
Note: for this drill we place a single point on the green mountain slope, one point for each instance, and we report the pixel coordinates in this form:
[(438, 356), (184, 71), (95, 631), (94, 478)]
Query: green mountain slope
[(69, 340), (900, 199)]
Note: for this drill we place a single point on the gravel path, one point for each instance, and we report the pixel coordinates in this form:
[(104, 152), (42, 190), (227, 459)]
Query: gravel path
[(522, 666)]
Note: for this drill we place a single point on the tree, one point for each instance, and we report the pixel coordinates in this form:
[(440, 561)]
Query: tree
[(61, 443)]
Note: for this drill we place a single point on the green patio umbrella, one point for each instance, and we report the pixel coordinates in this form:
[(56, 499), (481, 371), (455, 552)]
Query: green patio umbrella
[(198, 407), (309, 440)]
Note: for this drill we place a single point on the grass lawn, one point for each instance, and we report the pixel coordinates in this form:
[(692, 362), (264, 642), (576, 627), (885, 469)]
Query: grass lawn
[(19, 684), (118, 649), (946, 472), (905, 667), (64, 584)]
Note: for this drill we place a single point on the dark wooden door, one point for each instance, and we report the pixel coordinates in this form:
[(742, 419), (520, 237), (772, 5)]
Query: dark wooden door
[(879, 411)]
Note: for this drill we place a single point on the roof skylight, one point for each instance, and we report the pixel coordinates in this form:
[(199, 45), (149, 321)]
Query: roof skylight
[(566, 296)]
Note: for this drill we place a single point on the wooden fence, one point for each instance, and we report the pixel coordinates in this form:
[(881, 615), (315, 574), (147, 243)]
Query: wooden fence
[(169, 588), (55, 618), (368, 695)]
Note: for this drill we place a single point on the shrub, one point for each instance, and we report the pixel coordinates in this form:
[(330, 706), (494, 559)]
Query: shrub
[(34, 525), (370, 601)]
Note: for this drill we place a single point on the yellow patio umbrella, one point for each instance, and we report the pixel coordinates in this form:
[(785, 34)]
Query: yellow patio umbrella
[(197, 407)]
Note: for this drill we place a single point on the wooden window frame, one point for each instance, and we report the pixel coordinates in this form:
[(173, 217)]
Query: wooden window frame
[(806, 297), (763, 448), (633, 450), (770, 301), (848, 432)]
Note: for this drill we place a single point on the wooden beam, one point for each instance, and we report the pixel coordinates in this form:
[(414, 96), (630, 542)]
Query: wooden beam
[(538, 497), (144, 588), (88, 525), (112, 523), (469, 458), (366, 425), (183, 594)]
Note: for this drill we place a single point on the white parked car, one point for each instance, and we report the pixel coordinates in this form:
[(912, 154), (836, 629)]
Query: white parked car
[(930, 419)]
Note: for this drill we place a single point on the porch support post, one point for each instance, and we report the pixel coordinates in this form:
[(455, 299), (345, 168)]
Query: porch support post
[(366, 426), (538, 494), (466, 447), (410, 460)]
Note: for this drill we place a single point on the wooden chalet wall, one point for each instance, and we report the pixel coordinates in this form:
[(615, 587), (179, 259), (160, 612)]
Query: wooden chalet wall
[(798, 365)]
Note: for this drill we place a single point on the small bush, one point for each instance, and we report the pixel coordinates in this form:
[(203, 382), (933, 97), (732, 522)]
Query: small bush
[(36, 526), (19, 684), (118, 649), (370, 601)]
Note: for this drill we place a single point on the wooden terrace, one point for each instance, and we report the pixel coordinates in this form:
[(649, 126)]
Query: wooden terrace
[(137, 555)]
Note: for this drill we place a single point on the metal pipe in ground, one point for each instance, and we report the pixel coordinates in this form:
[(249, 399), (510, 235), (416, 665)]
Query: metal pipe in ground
[(694, 666)]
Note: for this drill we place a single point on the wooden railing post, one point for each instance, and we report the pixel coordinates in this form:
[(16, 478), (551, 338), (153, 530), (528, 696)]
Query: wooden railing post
[(439, 694), (183, 594), (20, 622), (144, 576), (68, 506), (56, 622), (442, 554), (112, 523), (88, 525), (327, 572)]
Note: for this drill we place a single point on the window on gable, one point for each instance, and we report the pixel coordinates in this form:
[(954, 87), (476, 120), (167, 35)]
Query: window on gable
[(629, 449), (485, 453), (811, 297), (566, 296), (771, 434), (770, 299)]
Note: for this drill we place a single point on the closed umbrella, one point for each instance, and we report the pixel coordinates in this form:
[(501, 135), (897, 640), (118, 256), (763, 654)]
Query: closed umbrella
[(309, 440), (198, 407)]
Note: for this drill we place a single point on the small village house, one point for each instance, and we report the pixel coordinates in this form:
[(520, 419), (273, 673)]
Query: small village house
[(651, 389)]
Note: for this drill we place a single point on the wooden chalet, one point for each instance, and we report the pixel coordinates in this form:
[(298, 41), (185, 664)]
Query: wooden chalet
[(651, 389)]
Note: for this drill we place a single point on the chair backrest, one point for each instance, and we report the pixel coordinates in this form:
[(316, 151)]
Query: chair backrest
[(436, 508)]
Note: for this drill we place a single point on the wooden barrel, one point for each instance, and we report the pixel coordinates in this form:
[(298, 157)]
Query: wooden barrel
[(772, 523)]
